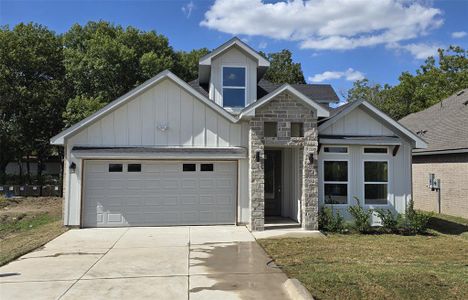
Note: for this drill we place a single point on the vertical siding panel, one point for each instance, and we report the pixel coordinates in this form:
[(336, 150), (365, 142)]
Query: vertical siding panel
[(134, 124), (147, 118), (211, 128), (223, 132), (173, 109), (108, 134), (161, 113), (95, 134), (186, 119), (198, 123), (235, 134), (120, 126)]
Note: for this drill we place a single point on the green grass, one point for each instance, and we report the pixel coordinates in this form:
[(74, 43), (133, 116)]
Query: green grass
[(385, 266), (22, 222)]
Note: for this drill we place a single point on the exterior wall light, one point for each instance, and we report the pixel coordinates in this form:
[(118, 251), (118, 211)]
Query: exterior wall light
[(311, 158), (257, 156), (73, 167)]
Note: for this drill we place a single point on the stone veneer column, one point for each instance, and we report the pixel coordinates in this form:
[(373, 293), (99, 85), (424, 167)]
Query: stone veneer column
[(256, 176), (309, 203)]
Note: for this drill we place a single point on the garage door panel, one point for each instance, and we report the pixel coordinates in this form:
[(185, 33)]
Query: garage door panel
[(161, 194)]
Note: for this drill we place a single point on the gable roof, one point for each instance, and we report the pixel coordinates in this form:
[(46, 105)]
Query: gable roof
[(316, 92), (338, 113), (321, 111), (444, 125), (60, 138), (235, 41)]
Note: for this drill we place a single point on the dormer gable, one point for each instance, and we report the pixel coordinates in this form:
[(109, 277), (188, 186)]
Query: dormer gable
[(231, 72)]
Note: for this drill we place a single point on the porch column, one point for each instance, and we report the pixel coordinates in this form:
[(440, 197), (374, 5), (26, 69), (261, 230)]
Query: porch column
[(256, 176), (309, 203)]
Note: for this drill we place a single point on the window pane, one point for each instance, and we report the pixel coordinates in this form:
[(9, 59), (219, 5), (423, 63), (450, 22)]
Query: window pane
[(336, 170), (375, 171), (233, 97), (375, 150), (134, 167), (336, 149), (115, 167), (206, 167), (336, 193), (376, 193), (189, 168), (270, 129), (233, 76), (297, 130)]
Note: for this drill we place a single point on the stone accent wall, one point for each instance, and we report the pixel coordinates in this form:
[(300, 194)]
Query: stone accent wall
[(284, 110), (452, 170)]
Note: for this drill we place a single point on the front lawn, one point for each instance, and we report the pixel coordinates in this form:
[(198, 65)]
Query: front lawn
[(380, 266), (28, 223)]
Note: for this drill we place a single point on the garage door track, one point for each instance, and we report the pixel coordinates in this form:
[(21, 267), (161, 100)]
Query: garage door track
[(192, 262)]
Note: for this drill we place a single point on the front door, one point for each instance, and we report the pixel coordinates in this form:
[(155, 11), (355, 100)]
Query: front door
[(272, 183)]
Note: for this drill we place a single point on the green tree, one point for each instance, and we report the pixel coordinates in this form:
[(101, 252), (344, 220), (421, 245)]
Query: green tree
[(32, 91), (105, 61), (186, 66), (434, 81), (283, 69)]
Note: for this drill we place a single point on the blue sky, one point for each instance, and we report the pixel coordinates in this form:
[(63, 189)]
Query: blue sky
[(336, 41)]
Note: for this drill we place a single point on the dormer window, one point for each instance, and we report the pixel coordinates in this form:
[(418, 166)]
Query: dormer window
[(233, 86)]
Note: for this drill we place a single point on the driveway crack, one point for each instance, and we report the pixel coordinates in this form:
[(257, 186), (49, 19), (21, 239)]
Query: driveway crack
[(98, 260)]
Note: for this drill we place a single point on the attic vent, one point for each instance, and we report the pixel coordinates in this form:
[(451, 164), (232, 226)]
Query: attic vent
[(460, 92), (421, 132)]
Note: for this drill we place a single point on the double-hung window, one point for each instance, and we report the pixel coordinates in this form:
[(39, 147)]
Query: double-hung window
[(234, 87), (335, 181), (375, 182)]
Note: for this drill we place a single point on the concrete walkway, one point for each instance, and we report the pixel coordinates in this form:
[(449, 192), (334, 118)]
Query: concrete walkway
[(199, 262)]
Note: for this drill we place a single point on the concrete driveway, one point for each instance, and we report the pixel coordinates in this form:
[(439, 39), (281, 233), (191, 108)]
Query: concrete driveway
[(199, 262)]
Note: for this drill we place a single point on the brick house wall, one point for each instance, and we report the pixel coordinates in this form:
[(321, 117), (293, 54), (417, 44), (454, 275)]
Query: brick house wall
[(452, 170), (284, 110)]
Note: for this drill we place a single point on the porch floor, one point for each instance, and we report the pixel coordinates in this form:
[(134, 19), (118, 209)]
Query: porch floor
[(280, 223), (280, 227)]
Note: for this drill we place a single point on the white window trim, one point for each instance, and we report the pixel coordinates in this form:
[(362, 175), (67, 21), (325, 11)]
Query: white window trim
[(335, 153), (233, 87), (364, 182), (336, 182), (375, 147)]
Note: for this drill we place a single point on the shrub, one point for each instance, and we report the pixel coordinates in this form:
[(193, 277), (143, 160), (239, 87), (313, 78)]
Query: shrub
[(331, 222), (361, 217), (389, 219), (414, 222)]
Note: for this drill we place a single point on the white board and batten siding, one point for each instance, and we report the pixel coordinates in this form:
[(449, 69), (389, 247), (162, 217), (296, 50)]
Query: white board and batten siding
[(357, 122), (232, 58), (141, 122)]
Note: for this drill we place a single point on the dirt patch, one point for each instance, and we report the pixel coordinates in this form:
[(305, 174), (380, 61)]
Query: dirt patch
[(28, 223)]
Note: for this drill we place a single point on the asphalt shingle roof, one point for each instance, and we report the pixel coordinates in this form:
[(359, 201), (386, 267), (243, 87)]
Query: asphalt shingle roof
[(444, 126), (316, 92)]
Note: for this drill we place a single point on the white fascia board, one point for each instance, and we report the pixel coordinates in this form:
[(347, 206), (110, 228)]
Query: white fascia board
[(59, 139), (418, 142), (370, 141), (321, 112), (206, 60)]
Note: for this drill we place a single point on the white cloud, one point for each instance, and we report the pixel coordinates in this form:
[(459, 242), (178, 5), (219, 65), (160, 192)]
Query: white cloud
[(349, 75), (325, 24), (419, 51), (459, 34), (262, 45), (187, 9)]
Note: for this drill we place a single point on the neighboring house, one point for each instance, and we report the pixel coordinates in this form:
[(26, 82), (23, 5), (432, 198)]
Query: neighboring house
[(231, 148), (445, 128)]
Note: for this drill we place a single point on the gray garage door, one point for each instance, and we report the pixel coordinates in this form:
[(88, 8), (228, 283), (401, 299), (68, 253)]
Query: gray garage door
[(156, 193)]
